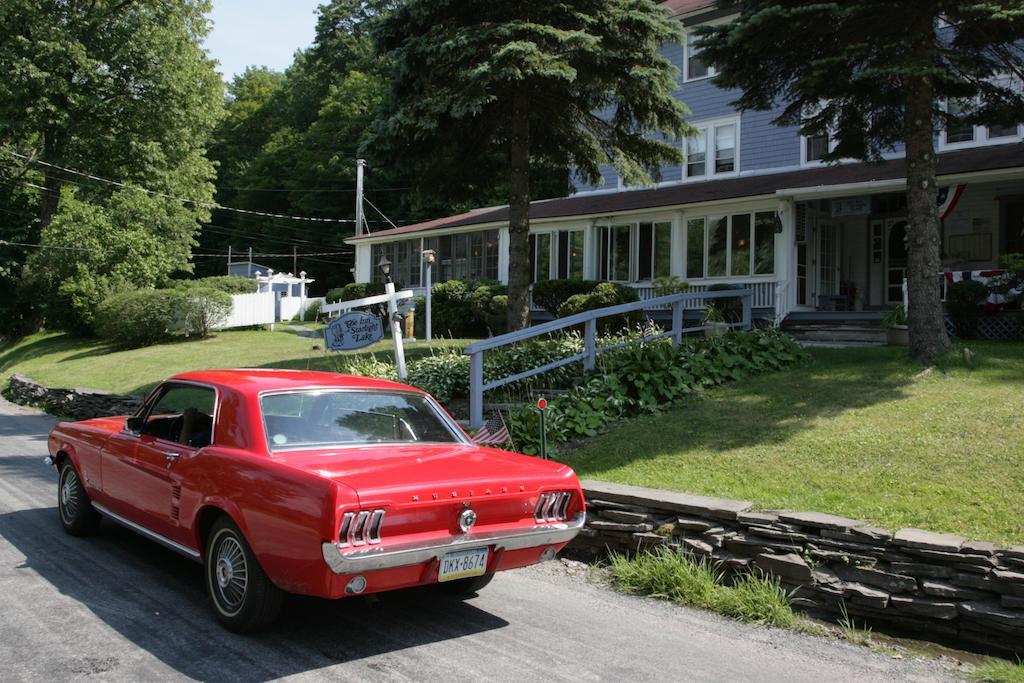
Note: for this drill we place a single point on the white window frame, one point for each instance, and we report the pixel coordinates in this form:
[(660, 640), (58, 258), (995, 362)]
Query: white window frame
[(707, 129), (687, 43), (554, 254), (804, 161), (709, 220), (604, 232), (982, 137)]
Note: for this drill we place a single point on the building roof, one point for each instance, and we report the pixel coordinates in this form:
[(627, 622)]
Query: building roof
[(996, 157), (687, 6)]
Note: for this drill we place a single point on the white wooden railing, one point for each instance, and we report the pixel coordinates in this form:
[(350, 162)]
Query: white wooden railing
[(676, 302), (764, 293)]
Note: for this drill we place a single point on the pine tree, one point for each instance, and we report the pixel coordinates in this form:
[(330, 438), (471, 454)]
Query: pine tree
[(875, 74), (533, 84)]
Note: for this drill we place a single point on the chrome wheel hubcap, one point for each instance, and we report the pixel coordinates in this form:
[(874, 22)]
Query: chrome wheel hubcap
[(69, 495), (231, 573)]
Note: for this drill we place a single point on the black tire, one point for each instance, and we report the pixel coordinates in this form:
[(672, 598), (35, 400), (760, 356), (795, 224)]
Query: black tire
[(77, 515), (466, 586), (243, 596)]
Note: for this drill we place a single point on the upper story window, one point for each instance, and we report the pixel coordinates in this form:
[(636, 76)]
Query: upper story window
[(695, 68), (714, 150), (960, 133), (815, 147)]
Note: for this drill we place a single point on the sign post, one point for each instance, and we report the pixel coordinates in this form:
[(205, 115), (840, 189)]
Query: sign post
[(396, 328), (428, 260), (542, 406)]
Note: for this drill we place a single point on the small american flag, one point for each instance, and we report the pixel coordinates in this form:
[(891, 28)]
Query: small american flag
[(493, 433)]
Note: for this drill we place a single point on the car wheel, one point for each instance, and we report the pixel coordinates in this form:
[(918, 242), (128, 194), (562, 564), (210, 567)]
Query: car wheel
[(466, 586), (77, 515), (243, 596)]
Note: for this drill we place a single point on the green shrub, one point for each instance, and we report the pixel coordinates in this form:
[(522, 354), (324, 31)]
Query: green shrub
[(139, 317), (669, 284), (896, 315), (605, 294), (725, 309), (444, 375), (366, 366), (354, 290), (230, 284), (309, 313), (203, 309), (963, 301), (468, 308), (551, 294)]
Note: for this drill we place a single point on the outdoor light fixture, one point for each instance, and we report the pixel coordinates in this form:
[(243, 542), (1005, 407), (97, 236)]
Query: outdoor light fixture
[(385, 267), (429, 256)]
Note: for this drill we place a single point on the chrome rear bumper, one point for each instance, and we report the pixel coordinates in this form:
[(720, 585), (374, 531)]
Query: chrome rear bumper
[(367, 559)]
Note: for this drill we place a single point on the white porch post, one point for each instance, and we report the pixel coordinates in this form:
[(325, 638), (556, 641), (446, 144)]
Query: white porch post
[(363, 264), (785, 257), (677, 264), (503, 246), (590, 252)]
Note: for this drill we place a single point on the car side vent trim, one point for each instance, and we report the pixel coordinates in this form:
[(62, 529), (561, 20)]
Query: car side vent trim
[(552, 506), (361, 528)]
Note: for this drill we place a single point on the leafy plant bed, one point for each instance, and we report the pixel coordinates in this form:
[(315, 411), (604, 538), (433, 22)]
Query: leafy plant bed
[(648, 378)]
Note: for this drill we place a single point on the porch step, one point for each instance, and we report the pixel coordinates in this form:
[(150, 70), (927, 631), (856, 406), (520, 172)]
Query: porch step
[(850, 331)]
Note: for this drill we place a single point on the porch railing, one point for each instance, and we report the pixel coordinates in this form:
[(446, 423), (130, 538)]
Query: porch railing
[(676, 302)]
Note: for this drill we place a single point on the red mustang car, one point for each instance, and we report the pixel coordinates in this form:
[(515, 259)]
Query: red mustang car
[(313, 483)]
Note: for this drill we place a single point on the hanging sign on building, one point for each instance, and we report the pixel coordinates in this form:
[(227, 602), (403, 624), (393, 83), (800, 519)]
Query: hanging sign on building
[(353, 330), (851, 206)]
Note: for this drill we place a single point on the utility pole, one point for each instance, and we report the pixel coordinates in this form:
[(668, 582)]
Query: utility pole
[(360, 163), (229, 259), (295, 259)]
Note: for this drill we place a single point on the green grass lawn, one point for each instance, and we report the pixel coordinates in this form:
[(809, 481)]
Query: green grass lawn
[(60, 360), (858, 432)]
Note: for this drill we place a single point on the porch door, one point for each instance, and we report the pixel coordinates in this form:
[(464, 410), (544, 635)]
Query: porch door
[(804, 264), (895, 259), (828, 259)]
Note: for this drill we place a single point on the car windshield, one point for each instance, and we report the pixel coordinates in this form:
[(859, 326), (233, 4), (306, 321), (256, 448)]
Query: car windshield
[(329, 418)]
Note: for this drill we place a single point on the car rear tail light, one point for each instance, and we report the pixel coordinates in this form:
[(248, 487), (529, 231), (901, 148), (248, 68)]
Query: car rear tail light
[(553, 506), (360, 528)]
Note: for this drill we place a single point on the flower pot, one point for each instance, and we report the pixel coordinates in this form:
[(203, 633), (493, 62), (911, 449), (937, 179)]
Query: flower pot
[(712, 329), (898, 335)]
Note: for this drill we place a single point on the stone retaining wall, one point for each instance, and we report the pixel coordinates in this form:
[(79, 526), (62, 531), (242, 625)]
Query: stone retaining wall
[(78, 404), (924, 584)]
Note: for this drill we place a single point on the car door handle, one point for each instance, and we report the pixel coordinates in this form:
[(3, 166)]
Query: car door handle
[(171, 455)]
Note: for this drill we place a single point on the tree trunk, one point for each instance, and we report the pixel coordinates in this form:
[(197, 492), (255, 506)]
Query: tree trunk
[(52, 152), (925, 317), (519, 216)]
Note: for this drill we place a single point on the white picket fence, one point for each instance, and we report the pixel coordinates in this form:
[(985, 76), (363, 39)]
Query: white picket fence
[(290, 306)]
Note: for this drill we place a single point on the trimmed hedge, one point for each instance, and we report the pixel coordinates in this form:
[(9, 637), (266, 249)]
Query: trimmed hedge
[(139, 317), (354, 290), (229, 284), (604, 294), (204, 308), (468, 308), (551, 294)]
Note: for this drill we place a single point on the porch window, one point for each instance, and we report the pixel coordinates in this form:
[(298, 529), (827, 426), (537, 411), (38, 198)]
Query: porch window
[(655, 249), (405, 261), (556, 255), (468, 255), (695, 248), (764, 243), (619, 252), (718, 247), (1001, 131), (738, 245)]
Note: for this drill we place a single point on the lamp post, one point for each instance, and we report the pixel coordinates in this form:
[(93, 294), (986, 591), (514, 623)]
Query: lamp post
[(429, 256), (396, 330)]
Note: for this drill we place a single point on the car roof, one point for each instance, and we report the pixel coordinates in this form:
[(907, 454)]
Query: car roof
[(258, 380)]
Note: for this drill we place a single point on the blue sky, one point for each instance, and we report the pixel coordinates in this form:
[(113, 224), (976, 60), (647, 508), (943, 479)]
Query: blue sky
[(259, 32)]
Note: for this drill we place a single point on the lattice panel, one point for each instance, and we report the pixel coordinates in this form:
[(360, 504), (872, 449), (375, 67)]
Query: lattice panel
[(1000, 327)]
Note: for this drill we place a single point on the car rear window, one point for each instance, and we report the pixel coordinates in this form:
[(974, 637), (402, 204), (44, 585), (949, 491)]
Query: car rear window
[(319, 418)]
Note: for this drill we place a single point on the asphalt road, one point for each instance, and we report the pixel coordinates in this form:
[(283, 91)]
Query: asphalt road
[(117, 607)]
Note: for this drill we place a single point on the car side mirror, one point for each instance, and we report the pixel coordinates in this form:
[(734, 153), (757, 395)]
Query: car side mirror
[(133, 424)]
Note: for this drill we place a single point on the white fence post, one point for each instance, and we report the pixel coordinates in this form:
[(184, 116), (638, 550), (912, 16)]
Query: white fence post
[(476, 389)]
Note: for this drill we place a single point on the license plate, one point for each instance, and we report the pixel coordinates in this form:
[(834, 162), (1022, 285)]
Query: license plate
[(463, 564)]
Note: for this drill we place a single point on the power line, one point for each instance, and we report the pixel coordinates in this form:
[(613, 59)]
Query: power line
[(209, 205), (222, 255)]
